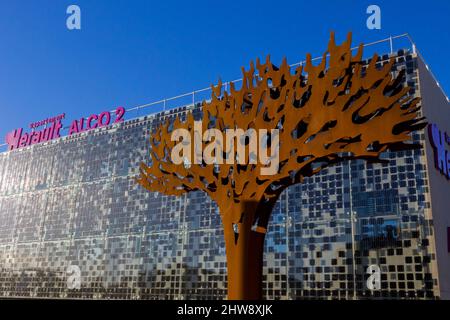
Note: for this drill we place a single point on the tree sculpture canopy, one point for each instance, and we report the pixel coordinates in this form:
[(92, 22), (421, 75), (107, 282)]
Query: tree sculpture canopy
[(340, 109)]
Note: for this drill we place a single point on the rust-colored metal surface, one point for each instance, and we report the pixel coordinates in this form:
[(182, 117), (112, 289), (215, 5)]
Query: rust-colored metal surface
[(337, 110)]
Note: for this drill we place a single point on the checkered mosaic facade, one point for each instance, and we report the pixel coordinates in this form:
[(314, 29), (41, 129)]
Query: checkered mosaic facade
[(74, 202)]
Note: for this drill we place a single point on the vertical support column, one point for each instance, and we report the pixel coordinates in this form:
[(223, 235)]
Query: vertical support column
[(391, 45), (287, 226), (448, 239)]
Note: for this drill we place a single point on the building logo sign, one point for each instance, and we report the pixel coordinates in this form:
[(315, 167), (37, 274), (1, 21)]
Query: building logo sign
[(18, 138), (440, 141)]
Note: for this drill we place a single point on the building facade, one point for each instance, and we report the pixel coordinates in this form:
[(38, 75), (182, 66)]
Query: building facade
[(70, 207)]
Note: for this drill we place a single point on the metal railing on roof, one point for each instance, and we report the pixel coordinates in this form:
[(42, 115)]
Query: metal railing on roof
[(226, 85), (191, 98)]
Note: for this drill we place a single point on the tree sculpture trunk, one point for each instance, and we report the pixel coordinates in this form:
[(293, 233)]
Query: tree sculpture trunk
[(244, 250)]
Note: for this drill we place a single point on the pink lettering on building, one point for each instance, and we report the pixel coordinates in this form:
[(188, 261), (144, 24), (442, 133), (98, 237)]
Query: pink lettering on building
[(18, 139)]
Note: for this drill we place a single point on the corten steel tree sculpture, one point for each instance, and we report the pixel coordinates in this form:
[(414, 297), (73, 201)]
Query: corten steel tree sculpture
[(330, 114)]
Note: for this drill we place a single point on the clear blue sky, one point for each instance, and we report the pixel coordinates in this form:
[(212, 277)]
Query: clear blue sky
[(133, 52)]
